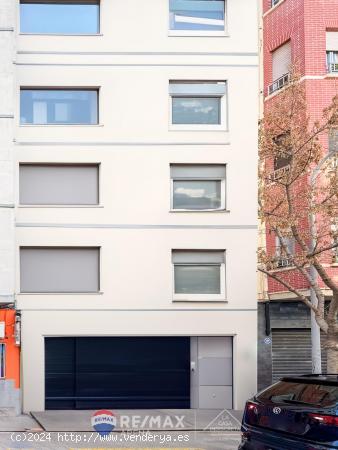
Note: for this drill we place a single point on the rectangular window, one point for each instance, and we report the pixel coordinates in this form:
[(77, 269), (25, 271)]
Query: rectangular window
[(199, 275), (198, 187), (59, 269), (60, 16), (189, 16), (2, 360), (59, 106), (198, 104), (281, 64), (332, 51), (59, 184)]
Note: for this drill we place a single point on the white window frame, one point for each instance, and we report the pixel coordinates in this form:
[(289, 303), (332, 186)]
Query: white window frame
[(221, 208), (201, 127), (201, 33), (3, 345), (200, 297)]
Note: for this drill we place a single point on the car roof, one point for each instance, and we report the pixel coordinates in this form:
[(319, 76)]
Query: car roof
[(326, 378)]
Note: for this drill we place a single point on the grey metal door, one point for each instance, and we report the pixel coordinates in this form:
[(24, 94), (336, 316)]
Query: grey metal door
[(211, 372)]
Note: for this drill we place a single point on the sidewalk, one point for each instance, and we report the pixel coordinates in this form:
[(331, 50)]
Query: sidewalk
[(152, 420), (9, 421)]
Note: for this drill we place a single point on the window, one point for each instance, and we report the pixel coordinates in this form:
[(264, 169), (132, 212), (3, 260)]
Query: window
[(274, 2), (191, 17), (313, 393), (59, 269), (282, 258), (332, 51), (199, 275), (60, 16), (281, 63), (197, 187), (2, 360), (198, 104), (58, 106), (59, 184)]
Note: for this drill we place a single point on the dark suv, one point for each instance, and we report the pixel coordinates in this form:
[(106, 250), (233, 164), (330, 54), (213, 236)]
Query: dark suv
[(296, 413)]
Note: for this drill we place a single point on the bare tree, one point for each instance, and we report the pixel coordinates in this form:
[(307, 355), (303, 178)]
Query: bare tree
[(298, 199)]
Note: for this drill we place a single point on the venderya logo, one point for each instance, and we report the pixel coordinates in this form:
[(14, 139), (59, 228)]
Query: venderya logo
[(104, 422)]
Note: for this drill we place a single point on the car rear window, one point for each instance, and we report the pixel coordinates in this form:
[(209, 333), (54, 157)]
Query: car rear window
[(317, 394)]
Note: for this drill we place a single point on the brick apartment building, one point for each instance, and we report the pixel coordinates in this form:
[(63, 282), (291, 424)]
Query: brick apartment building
[(303, 33)]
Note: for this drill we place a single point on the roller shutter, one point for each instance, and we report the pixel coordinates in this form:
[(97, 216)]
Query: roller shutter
[(332, 41), (291, 352), (281, 61)]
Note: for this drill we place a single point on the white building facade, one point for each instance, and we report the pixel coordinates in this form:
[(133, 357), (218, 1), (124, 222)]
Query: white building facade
[(135, 151)]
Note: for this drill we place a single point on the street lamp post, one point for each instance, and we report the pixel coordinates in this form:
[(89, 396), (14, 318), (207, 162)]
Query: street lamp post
[(316, 351)]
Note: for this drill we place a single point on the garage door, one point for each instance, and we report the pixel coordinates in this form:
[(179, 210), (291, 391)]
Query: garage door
[(117, 372), (291, 352)]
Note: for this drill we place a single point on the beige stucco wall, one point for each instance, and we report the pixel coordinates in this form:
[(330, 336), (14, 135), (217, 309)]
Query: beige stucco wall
[(132, 63)]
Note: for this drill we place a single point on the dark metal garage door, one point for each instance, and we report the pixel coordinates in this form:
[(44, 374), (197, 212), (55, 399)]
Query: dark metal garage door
[(117, 372), (291, 352)]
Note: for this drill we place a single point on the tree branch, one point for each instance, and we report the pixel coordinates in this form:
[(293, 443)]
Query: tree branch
[(321, 322)]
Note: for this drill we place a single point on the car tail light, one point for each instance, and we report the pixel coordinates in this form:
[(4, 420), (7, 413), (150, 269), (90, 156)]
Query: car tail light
[(251, 413), (251, 407), (331, 421)]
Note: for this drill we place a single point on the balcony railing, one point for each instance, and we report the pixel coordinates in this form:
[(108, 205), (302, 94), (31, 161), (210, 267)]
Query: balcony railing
[(332, 67), (279, 83), (332, 61), (279, 173), (283, 262)]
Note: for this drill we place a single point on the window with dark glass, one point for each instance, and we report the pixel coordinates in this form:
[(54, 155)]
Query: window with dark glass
[(58, 106), (60, 16), (311, 393)]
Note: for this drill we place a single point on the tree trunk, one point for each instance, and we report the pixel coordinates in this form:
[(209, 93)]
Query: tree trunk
[(332, 336), (332, 358)]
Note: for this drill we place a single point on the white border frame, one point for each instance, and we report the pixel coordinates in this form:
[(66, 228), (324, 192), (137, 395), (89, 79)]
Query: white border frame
[(200, 297)]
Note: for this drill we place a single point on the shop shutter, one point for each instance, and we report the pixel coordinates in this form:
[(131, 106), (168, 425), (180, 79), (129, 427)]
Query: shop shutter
[(291, 352)]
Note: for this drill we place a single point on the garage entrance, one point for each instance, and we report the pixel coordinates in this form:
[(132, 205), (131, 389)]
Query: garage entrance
[(117, 372)]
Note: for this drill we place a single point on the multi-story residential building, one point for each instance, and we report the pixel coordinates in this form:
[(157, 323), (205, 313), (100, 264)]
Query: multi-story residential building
[(303, 34), (135, 148)]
